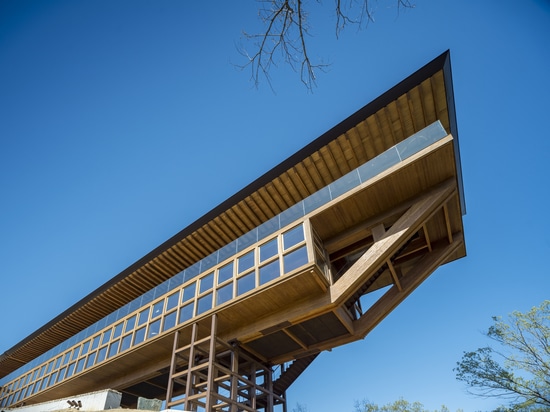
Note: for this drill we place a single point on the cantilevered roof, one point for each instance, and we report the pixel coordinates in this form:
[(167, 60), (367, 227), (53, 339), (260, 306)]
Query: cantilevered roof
[(411, 105)]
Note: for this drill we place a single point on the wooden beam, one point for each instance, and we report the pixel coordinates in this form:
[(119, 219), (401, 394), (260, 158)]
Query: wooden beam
[(408, 224), (410, 281), (448, 223), (378, 233)]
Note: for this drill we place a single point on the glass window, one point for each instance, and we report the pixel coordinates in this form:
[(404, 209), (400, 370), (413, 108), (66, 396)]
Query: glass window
[(70, 370), (91, 359), (246, 283), (126, 342), (143, 315), (61, 374), (80, 365), (207, 282), (246, 261), (169, 321), (29, 390), (57, 362), (66, 358), (101, 354), (43, 368), (157, 309), (130, 323), (269, 272), (295, 259), (36, 388), (118, 330), (139, 335), (225, 272), (53, 378), (268, 250), (50, 366), (154, 329), (106, 337), (189, 292), (85, 348), (204, 304), (224, 294), (186, 313), (113, 349), (44, 383), (293, 237), (95, 343), (172, 301)]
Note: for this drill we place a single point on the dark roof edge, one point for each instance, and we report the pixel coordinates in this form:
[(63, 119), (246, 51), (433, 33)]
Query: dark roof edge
[(439, 63)]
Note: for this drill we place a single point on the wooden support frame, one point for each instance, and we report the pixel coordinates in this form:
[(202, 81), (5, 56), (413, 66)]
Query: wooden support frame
[(227, 380)]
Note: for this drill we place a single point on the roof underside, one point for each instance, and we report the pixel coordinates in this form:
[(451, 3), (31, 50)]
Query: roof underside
[(419, 100)]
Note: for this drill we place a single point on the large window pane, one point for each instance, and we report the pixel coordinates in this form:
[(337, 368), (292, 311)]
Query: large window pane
[(246, 283), (101, 354), (154, 329), (172, 301), (106, 337), (169, 321), (143, 316), (189, 292), (80, 365), (91, 358), (126, 342), (246, 262), (204, 304), (225, 272), (139, 336), (207, 282), (293, 237), (269, 272), (268, 250), (295, 259), (186, 313), (113, 349), (95, 342), (130, 323), (118, 330), (157, 309), (224, 294)]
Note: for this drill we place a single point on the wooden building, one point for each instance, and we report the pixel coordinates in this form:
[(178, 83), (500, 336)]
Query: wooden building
[(227, 313)]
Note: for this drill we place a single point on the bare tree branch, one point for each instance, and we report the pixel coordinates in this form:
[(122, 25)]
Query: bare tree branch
[(286, 32)]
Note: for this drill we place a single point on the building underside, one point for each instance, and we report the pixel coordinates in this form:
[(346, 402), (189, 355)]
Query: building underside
[(310, 256)]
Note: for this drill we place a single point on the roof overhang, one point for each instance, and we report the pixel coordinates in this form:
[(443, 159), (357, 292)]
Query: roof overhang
[(419, 100)]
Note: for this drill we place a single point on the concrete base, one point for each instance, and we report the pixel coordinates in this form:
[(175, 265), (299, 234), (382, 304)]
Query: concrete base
[(93, 401)]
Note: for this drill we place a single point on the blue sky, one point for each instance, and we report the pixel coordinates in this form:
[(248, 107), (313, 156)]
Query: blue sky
[(123, 122)]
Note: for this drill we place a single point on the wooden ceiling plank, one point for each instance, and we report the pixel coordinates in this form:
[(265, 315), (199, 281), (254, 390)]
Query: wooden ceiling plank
[(312, 171), (303, 180), (289, 181), (374, 146), (321, 168), (416, 109), (268, 201), (440, 98), (428, 104), (405, 115), (255, 203), (344, 145), (357, 145), (247, 209), (276, 196)]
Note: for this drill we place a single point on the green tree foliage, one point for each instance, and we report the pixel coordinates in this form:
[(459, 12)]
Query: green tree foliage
[(518, 371), (400, 405)]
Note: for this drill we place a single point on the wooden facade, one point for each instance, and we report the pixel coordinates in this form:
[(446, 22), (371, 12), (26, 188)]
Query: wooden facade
[(276, 302)]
